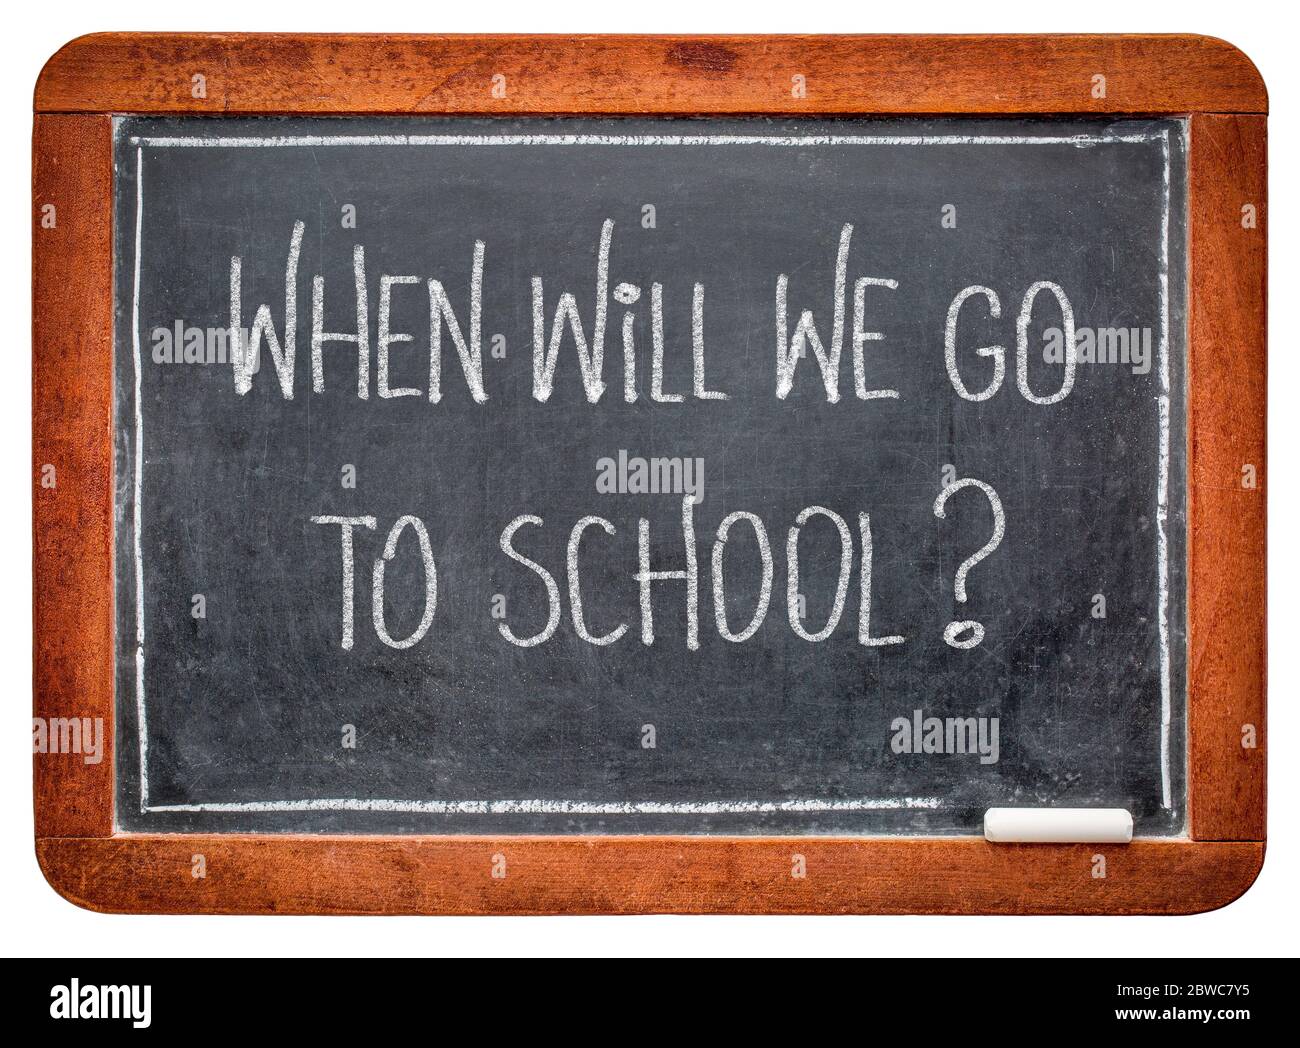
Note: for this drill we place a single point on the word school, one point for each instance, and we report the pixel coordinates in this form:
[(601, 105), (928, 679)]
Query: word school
[(589, 339)]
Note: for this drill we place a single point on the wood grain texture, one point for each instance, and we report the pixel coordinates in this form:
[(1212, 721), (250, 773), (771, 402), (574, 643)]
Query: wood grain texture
[(271, 73), (72, 421), (1227, 422), (391, 875)]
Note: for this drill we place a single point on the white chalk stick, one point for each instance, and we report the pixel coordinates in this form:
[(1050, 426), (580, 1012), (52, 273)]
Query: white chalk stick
[(1058, 825)]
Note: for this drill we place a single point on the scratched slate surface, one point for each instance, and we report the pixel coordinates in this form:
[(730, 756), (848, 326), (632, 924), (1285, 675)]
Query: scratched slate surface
[(246, 707)]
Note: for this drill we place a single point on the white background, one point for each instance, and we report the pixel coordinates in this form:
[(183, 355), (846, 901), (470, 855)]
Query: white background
[(38, 922)]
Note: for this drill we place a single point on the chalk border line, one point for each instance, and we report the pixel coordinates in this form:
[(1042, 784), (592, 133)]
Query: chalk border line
[(567, 807)]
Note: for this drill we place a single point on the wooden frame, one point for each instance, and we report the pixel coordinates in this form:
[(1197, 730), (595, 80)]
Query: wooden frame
[(1205, 79)]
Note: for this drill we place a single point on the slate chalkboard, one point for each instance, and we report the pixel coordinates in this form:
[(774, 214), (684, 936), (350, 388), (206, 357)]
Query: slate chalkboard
[(781, 389)]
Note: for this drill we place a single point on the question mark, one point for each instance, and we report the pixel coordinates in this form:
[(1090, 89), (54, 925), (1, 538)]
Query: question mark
[(954, 629)]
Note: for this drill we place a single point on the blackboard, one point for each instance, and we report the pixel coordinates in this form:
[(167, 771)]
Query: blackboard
[(246, 704)]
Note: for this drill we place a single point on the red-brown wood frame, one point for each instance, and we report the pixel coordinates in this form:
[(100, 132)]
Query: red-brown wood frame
[(1204, 79)]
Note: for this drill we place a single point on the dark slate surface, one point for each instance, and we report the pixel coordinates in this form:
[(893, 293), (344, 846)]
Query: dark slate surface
[(775, 734)]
